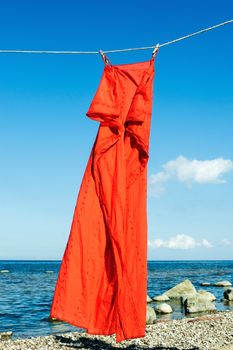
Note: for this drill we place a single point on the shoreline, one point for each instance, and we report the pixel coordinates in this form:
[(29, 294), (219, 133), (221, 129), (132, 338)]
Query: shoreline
[(208, 332)]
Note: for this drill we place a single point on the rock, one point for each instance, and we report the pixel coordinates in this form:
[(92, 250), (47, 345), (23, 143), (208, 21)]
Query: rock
[(183, 288), (4, 271), (163, 308), (205, 284), (228, 294), (198, 303), (227, 301), (52, 319), (5, 335), (209, 296), (148, 299), (49, 271), (162, 297), (187, 295), (150, 315), (222, 284)]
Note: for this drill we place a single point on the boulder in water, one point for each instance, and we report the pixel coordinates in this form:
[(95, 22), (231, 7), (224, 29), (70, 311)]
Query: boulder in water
[(148, 299), (228, 294), (205, 284), (187, 295), (162, 297), (209, 296), (223, 284), (163, 308), (198, 303), (183, 288), (150, 315)]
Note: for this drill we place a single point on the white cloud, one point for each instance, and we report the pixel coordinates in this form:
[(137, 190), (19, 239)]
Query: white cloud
[(225, 242), (190, 171), (180, 241), (156, 181), (206, 244)]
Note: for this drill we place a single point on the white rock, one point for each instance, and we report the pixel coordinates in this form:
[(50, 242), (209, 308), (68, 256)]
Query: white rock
[(205, 284), (208, 295), (162, 297), (223, 284), (148, 299), (163, 308), (150, 315), (183, 288), (198, 303), (187, 295)]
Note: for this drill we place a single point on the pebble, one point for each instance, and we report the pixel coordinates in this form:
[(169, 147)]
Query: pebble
[(199, 333)]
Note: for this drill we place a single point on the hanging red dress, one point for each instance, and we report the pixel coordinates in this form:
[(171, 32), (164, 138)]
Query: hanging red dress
[(102, 282)]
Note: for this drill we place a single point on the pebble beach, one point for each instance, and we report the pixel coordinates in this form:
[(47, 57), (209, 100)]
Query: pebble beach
[(213, 331)]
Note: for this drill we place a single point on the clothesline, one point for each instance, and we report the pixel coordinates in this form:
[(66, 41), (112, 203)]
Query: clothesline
[(120, 50)]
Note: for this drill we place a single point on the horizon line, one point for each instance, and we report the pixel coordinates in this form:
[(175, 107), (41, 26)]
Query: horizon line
[(19, 259)]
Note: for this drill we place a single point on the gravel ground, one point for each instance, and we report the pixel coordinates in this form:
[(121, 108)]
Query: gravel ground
[(213, 332)]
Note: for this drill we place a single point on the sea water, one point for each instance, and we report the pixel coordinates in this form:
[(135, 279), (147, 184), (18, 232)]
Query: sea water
[(27, 287)]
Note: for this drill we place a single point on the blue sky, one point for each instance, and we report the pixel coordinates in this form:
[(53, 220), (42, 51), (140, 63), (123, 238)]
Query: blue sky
[(46, 139)]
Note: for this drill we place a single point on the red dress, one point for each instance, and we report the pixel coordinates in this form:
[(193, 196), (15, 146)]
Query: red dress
[(102, 282)]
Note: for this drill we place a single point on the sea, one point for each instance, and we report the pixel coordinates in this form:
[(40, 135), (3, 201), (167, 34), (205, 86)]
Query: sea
[(27, 287)]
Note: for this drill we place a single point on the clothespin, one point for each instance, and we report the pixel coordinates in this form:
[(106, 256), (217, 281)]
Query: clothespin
[(155, 50), (105, 58)]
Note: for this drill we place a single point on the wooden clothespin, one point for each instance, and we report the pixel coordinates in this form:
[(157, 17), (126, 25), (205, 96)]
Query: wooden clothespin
[(156, 49), (105, 58)]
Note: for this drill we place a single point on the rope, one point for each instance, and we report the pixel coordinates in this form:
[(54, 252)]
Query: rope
[(118, 50), (196, 33)]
